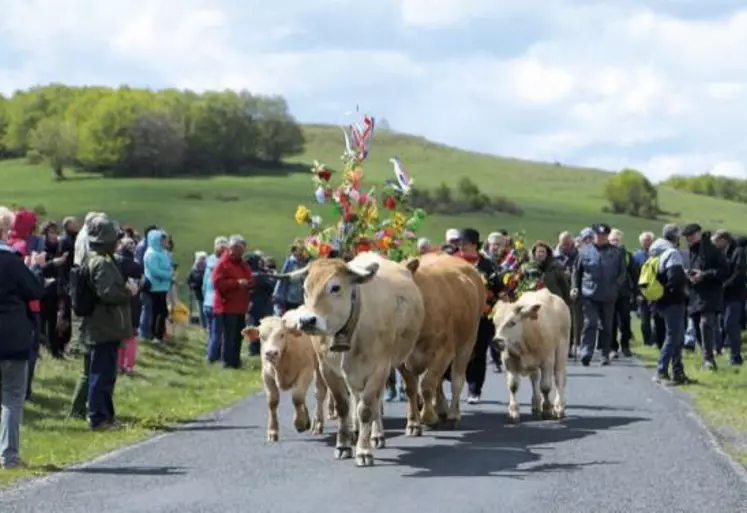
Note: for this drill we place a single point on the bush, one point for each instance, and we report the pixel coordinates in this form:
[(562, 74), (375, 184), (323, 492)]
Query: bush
[(34, 157), (468, 198), (629, 192)]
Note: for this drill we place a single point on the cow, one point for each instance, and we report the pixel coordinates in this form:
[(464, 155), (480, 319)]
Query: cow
[(533, 336), (453, 295), (372, 311), (288, 363)]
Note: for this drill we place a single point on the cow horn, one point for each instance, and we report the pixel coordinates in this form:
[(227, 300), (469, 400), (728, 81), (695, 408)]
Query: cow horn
[(296, 275)]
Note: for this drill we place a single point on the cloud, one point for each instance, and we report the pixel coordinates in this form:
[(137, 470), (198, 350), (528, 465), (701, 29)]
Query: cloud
[(655, 84)]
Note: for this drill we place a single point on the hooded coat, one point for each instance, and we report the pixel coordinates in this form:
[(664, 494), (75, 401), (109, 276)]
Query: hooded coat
[(23, 241), (707, 296), (111, 318), (553, 274), (157, 264)]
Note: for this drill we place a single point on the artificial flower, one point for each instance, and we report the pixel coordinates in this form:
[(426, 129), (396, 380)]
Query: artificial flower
[(303, 215)]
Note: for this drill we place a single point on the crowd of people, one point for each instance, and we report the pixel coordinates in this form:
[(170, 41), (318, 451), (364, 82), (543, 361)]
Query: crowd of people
[(122, 287)]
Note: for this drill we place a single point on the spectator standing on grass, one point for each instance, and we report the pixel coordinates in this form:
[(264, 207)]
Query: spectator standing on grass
[(232, 279), (599, 273), (159, 274), (625, 298), (110, 324), (735, 294), (670, 310), (19, 285), (195, 278), (54, 330), (66, 249), (132, 271), (644, 309), (146, 307), (289, 295), (706, 274), (214, 328)]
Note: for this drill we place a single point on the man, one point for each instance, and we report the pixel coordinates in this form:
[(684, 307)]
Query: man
[(110, 324), (644, 309), (214, 328), (232, 279), (566, 254), (19, 285), (599, 274), (627, 294), (586, 236), (706, 273), (424, 246), (735, 293), (670, 308)]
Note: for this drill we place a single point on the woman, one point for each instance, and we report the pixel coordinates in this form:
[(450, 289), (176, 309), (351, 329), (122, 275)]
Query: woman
[(550, 273), (194, 281), (159, 275), (289, 295), (19, 285), (55, 329), (125, 256)]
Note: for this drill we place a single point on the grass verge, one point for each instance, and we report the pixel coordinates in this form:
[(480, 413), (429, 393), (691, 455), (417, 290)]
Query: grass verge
[(172, 384), (719, 397)]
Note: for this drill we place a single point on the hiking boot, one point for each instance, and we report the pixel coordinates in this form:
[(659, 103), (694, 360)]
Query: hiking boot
[(681, 379), (605, 362), (710, 365), (614, 355), (662, 378), (627, 353), (585, 360), (16, 463), (736, 361)]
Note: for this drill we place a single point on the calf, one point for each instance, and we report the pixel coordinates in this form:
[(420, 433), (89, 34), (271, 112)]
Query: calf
[(533, 336), (288, 363)]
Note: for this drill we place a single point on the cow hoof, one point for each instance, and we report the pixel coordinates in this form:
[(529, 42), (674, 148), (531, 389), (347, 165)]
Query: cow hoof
[(364, 460), (354, 436), (429, 419), (414, 430), (302, 426), (450, 424), (548, 414), (558, 413), (317, 428), (379, 441), (343, 453), (514, 417), (332, 415), (272, 436)]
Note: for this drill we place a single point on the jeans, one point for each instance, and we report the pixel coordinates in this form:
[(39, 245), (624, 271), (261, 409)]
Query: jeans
[(215, 335), (644, 314), (12, 392), (203, 317), (706, 331), (146, 315), (674, 337), (102, 376), (232, 337), (691, 338), (598, 319), (733, 330), (478, 364)]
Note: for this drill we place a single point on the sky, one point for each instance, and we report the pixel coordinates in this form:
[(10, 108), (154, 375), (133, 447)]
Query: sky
[(657, 85)]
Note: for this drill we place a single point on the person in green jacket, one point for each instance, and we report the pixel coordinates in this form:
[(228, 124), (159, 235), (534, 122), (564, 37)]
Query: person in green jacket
[(109, 324), (548, 271)]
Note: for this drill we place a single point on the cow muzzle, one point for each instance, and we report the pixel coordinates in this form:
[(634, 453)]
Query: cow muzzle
[(499, 343)]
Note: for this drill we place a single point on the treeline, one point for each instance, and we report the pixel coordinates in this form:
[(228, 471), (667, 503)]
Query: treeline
[(466, 198), (732, 189), (139, 132)]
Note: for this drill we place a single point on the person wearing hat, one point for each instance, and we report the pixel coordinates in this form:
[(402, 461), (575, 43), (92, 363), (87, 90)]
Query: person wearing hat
[(469, 244), (735, 294), (599, 274), (706, 274)]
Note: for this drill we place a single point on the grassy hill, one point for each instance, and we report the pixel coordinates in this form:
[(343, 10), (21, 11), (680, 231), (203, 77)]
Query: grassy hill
[(261, 207)]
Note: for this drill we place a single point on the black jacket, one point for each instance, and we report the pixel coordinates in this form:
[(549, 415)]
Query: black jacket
[(194, 282), (735, 283), (708, 295), (131, 269), (66, 246), (630, 287), (18, 286)]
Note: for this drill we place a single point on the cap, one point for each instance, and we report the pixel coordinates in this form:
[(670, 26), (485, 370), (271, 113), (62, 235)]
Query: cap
[(470, 235), (670, 231), (691, 229), (586, 233), (495, 237), (452, 234), (601, 229)]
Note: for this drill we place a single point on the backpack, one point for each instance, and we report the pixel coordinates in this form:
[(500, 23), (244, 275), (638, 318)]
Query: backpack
[(82, 294), (648, 281)]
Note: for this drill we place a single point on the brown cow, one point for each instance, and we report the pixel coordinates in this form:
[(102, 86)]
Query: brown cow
[(533, 335), (453, 294), (372, 310), (288, 363)]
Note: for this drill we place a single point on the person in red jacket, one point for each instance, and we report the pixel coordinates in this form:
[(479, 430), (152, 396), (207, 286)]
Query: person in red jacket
[(232, 279)]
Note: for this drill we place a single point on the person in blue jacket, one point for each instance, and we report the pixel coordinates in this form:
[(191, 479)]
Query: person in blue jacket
[(159, 273), (214, 328)]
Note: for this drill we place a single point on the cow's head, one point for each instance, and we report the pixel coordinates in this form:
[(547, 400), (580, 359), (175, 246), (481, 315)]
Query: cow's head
[(275, 337), (509, 325), (330, 295)]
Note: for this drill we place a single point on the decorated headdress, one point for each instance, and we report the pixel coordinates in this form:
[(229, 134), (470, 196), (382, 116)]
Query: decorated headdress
[(358, 226)]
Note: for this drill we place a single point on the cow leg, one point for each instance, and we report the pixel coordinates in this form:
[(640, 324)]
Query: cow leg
[(560, 377), (512, 381), (331, 408), (536, 378), (338, 390), (442, 407), (378, 438), (546, 388), (320, 395), (432, 378), (458, 378), (301, 419), (410, 385), (368, 409), (273, 399)]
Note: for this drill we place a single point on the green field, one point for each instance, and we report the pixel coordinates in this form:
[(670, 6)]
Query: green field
[(553, 198)]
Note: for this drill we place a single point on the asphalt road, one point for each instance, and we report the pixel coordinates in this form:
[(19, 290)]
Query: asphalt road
[(626, 446)]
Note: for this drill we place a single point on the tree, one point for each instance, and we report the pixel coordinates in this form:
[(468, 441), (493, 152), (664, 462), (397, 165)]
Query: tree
[(55, 141), (630, 192), (156, 146)]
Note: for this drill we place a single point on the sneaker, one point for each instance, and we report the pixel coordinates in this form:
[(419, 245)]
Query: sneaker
[(681, 379), (16, 463), (586, 360), (662, 378), (614, 355), (473, 399), (710, 365), (605, 362)]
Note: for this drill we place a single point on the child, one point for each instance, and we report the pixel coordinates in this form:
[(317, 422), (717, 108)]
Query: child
[(133, 273)]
